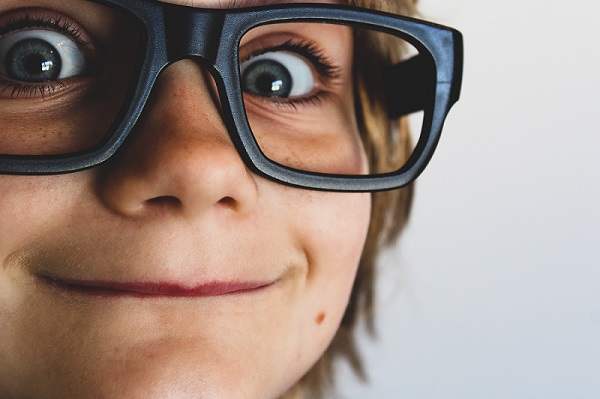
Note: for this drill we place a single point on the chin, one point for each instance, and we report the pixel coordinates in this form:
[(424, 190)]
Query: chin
[(172, 384)]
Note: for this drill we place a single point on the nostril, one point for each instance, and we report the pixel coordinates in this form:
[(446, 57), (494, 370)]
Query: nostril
[(164, 201), (228, 202)]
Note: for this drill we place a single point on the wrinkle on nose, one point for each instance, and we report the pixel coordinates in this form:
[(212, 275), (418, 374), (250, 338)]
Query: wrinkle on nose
[(179, 156)]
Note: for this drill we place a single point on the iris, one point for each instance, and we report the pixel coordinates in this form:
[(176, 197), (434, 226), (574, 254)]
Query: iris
[(267, 78), (33, 60)]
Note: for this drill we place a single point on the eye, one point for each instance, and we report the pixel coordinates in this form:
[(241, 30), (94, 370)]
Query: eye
[(40, 55), (277, 74)]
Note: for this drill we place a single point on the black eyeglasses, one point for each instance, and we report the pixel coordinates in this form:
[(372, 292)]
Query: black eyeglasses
[(300, 86)]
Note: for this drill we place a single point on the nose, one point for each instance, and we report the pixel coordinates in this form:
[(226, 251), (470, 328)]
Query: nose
[(179, 157)]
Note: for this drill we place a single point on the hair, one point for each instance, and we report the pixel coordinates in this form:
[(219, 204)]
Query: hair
[(388, 144)]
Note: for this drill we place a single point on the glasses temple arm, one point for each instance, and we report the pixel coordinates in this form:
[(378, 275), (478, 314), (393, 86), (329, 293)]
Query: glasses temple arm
[(409, 86)]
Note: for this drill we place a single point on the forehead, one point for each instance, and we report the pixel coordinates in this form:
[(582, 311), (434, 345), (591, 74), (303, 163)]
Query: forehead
[(241, 3)]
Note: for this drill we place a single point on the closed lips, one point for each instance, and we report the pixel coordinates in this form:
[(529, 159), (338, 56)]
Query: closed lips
[(153, 289)]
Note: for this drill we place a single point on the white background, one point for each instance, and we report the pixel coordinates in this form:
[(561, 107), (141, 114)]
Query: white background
[(493, 291)]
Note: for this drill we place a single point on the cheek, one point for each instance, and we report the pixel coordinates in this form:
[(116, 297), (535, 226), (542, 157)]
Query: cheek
[(335, 242), (31, 205), (333, 232)]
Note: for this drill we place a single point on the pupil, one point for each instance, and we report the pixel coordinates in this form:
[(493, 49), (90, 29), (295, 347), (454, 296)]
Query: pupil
[(33, 60), (264, 83), (267, 78), (32, 63)]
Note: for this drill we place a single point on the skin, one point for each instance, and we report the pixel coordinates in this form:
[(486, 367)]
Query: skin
[(177, 204)]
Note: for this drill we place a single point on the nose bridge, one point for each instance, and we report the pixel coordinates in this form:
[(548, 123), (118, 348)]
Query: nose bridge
[(192, 32)]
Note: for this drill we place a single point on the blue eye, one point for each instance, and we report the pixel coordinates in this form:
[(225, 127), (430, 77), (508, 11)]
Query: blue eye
[(277, 74), (40, 55)]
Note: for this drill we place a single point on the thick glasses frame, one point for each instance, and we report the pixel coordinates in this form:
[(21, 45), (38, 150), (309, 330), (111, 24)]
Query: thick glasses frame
[(177, 32)]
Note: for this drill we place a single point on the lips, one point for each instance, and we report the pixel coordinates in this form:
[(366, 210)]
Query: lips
[(153, 289)]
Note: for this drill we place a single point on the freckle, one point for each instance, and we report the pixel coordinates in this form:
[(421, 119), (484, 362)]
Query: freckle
[(320, 317)]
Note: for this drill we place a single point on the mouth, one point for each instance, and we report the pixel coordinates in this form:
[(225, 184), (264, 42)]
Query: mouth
[(153, 289)]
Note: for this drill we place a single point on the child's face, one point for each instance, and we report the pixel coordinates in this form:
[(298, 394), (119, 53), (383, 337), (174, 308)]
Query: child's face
[(177, 205)]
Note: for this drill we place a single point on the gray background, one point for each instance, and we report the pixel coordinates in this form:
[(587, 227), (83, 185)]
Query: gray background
[(493, 289)]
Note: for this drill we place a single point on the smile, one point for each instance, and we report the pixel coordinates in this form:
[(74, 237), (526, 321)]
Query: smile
[(153, 289)]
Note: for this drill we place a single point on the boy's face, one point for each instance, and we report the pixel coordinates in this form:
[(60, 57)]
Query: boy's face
[(176, 205)]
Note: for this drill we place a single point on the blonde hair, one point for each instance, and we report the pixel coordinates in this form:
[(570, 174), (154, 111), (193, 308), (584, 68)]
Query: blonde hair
[(390, 210)]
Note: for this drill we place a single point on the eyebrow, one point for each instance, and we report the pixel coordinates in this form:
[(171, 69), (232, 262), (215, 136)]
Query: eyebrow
[(249, 3), (239, 3), (233, 3)]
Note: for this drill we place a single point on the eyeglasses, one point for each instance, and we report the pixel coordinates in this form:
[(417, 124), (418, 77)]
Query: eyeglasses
[(302, 88)]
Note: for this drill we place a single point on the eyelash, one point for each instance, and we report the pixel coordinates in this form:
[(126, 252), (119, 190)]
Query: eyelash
[(309, 50), (330, 71), (58, 24)]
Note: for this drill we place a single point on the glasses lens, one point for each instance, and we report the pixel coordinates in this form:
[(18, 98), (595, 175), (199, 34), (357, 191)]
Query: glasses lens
[(315, 96), (66, 72)]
